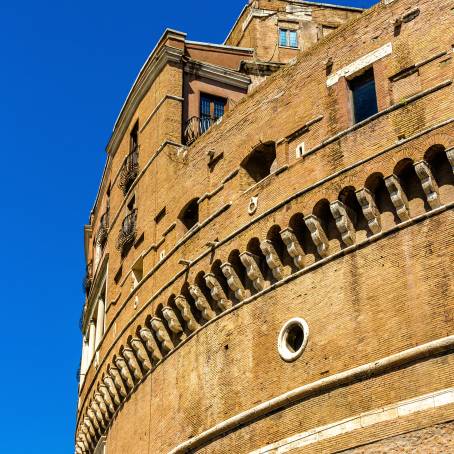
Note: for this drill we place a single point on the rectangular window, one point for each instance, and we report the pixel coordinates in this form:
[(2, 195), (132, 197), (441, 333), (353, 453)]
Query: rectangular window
[(211, 109), (288, 38), (293, 38), (364, 96), (134, 137)]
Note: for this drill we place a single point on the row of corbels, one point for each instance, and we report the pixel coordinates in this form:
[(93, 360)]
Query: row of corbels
[(153, 341)]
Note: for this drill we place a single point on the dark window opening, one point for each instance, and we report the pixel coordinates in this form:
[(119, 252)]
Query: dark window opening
[(190, 214), (295, 338), (259, 162), (364, 96), (211, 109), (134, 137)]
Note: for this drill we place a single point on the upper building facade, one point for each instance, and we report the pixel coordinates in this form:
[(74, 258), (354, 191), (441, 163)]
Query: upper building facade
[(268, 256)]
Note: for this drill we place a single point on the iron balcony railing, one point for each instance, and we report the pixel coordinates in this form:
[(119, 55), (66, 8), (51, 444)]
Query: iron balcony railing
[(128, 230), (101, 237), (129, 170), (196, 126)]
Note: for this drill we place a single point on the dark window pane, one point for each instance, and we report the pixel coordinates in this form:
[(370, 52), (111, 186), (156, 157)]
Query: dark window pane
[(218, 108), (364, 96), (205, 106)]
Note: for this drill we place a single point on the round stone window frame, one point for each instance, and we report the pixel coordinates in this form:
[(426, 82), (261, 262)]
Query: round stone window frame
[(286, 352)]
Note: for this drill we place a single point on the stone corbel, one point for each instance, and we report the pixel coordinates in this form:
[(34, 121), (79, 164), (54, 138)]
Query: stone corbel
[(450, 155), (83, 443), (151, 344), (318, 235), (185, 311), (141, 353), (163, 336), (253, 272), (85, 435), (89, 425), (428, 183), (91, 414), (98, 413), (125, 373), (133, 364), (113, 391), (118, 381), (201, 302), (370, 209), (217, 292), (272, 259), (344, 223), (172, 320), (398, 197), (102, 406), (293, 246), (107, 398), (233, 281)]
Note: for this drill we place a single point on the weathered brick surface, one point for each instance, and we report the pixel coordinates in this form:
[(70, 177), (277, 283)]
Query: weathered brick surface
[(439, 438), (392, 294)]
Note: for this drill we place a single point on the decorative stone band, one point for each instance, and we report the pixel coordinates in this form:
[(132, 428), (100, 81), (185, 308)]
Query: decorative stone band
[(367, 419), (324, 385), (360, 64), (121, 378)]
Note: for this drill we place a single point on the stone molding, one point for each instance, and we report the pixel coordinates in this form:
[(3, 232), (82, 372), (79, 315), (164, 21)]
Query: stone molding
[(234, 283), (95, 414), (360, 64), (375, 368)]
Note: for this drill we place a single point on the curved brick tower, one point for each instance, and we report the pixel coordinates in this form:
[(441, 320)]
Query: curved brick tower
[(269, 257)]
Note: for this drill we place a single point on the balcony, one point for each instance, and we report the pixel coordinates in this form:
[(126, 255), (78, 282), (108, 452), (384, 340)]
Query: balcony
[(196, 126), (129, 170), (101, 236), (128, 231)]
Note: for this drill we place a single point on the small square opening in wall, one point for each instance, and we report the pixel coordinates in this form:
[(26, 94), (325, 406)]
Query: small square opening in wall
[(300, 150), (137, 271)]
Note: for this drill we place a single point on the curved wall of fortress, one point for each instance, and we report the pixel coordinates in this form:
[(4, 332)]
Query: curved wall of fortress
[(350, 228)]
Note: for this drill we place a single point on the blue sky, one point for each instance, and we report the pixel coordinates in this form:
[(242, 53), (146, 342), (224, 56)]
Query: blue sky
[(65, 70)]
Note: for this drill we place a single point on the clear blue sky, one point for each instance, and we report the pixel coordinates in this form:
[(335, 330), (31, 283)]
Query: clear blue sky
[(66, 67)]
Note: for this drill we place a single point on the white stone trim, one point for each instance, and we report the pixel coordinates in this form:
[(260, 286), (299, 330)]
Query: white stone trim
[(323, 385), (360, 64), (282, 345), (360, 421)]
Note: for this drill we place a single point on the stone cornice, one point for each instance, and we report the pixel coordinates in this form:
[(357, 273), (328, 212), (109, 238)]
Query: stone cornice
[(217, 73), (159, 58)]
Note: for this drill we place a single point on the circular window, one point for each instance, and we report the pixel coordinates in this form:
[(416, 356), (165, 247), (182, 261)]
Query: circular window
[(292, 339)]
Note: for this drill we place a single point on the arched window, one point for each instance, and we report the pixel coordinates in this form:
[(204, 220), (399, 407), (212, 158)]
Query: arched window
[(189, 215), (258, 163)]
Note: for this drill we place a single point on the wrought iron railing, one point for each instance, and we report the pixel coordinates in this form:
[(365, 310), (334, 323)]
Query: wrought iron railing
[(196, 126), (101, 237), (129, 170), (127, 231)]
